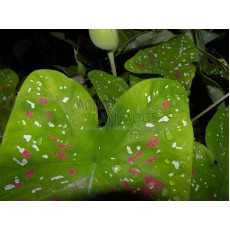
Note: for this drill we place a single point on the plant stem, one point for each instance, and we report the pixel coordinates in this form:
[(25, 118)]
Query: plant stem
[(210, 107), (112, 63)]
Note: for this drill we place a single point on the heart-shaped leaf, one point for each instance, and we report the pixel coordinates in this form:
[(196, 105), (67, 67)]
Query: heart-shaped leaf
[(173, 59), (203, 176), (8, 82), (109, 88), (210, 179), (53, 150), (217, 140)]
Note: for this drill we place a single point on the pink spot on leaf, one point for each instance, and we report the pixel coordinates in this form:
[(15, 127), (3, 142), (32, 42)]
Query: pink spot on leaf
[(193, 173), (18, 185), (152, 56), (69, 147), (29, 173), (140, 65), (150, 161), (50, 116), (154, 142), (60, 146), (61, 155), (129, 187), (151, 186), (29, 114), (166, 104), (54, 139), (43, 101), (26, 154), (135, 172), (71, 171), (131, 159), (177, 75)]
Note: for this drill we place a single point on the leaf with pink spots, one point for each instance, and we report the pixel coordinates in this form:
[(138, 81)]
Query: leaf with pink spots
[(174, 59), (53, 149)]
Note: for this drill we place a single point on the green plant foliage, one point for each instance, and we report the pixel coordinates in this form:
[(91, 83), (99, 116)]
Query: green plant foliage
[(134, 80), (214, 89), (210, 180), (53, 150), (217, 67), (109, 88), (213, 69), (173, 59), (204, 173), (133, 40), (71, 71), (218, 143), (200, 37), (8, 82)]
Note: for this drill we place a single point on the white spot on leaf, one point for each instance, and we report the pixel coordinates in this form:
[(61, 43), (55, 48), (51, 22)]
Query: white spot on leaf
[(65, 99), (150, 125), (165, 119), (27, 137)]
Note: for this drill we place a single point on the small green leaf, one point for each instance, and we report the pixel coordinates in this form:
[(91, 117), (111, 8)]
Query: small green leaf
[(53, 150), (109, 88), (8, 82), (173, 59)]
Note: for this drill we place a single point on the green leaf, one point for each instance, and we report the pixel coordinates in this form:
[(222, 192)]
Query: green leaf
[(214, 89), (134, 80), (210, 180), (141, 40), (109, 88), (8, 82), (71, 71), (53, 150), (203, 176), (218, 67), (217, 140), (205, 35), (173, 59)]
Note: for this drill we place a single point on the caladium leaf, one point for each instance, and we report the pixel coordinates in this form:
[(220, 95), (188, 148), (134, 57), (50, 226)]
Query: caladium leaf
[(109, 88), (210, 178), (173, 59), (8, 83), (217, 140), (204, 174), (53, 150)]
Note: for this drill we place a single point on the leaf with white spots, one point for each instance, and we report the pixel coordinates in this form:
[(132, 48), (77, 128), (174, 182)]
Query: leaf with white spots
[(73, 159), (217, 140), (109, 88), (208, 183), (173, 59), (8, 82)]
